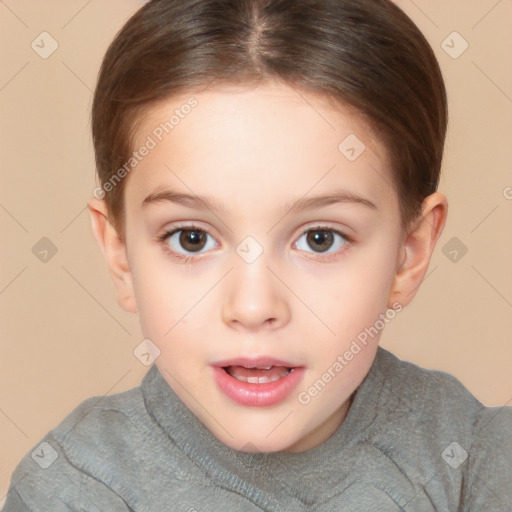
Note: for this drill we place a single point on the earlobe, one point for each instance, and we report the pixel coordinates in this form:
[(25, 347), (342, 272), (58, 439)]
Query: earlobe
[(115, 253), (417, 249)]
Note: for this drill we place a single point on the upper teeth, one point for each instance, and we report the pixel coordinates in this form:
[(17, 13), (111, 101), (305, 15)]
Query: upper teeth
[(261, 380)]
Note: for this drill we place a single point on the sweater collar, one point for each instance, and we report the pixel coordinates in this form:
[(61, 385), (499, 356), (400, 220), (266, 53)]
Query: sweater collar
[(301, 475)]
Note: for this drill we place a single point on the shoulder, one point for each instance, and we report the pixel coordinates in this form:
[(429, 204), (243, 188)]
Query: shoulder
[(426, 392), (431, 421), (440, 399), (64, 469)]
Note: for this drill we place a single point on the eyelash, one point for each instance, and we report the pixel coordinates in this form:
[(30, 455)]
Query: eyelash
[(162, 240)]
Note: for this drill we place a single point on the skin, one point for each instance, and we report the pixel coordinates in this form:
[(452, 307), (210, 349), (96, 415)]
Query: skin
[(254, 150)]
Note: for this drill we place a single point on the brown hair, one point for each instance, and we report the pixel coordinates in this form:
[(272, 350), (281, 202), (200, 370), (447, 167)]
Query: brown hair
[(366, 54)]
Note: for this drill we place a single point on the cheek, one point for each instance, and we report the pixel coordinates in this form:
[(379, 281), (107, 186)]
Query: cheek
[(172, 304), (356, 293), (155, 293)]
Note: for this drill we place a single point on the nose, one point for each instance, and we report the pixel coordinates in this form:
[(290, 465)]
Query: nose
[(255, 297)]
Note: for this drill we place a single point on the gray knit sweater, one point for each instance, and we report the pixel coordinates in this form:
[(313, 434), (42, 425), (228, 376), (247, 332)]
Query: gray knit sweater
[(413, 440)]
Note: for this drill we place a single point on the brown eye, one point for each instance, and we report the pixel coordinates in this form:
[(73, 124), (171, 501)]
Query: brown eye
[(187, 241), (192, 239), (320, 240)]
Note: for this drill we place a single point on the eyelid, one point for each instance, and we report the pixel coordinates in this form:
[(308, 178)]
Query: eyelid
[(191, 225), (326, 226), (304, 229)]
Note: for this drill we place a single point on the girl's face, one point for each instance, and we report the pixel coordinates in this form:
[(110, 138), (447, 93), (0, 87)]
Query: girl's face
[(234, 256)]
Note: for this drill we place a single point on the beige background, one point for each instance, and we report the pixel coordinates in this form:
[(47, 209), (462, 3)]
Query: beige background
[(64, 338)]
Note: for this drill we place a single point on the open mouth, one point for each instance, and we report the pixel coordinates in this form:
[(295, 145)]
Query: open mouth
[(257, 382), (257, 375)]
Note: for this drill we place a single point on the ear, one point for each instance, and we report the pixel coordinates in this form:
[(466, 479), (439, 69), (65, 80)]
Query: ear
[(114, 250), (417, 249)]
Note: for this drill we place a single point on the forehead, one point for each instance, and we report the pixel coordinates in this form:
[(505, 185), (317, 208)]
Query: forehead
[(270, 142)]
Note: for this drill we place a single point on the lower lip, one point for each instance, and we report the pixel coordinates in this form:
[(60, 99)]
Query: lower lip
[(257, 395)]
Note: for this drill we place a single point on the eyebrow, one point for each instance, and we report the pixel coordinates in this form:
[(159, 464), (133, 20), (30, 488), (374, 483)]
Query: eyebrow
[(209, 203)]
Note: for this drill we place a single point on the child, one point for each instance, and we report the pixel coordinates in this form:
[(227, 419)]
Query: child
[(268, 203)]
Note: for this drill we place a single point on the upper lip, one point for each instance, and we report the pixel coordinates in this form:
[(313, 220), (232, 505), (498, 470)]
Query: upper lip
[(255, 362)]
